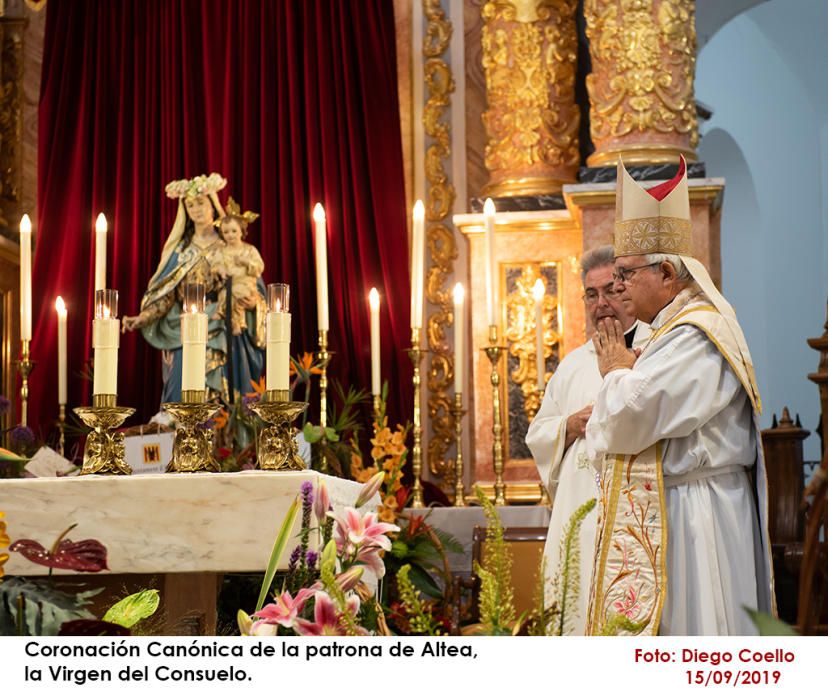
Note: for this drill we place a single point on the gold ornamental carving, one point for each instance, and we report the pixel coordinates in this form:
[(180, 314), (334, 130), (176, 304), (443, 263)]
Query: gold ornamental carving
[(11, 119), (521, 332), (642, 105), (439, 236), (530, 50)]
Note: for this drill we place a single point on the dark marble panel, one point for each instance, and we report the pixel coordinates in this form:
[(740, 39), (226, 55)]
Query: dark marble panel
[(540, 202), (640, 172)]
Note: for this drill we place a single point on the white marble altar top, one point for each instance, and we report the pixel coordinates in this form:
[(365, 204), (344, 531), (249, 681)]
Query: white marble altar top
[(153, 523)]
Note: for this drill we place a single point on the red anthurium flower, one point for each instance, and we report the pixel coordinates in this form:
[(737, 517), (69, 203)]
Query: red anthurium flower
[(86, 555)]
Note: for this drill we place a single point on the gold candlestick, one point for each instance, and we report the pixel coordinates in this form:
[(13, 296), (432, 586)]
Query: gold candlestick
[(24, 367), (104, 450), (192, 444), (62, 429), (377, 402), (458, 412), (494, 352), (277, 448), (324, 358), (416, 355)]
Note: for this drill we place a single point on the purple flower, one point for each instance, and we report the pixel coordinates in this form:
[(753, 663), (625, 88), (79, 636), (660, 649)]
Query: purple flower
[(22, 435), (5, 405), (294, 558), (209, 424), (307, 494), (311, 558), (245, 404)]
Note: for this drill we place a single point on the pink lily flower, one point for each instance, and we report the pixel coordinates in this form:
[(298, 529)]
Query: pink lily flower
[(372, 560), (370, 488), (285, 610), (355, 532), (322, 504), (327, 619)]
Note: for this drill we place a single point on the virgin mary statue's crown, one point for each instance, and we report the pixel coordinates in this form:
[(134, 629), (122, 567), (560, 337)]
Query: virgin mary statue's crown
[(656, 220)]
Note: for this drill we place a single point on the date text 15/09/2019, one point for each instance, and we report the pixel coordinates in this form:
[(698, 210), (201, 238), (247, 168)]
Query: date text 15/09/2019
[(715, 658)]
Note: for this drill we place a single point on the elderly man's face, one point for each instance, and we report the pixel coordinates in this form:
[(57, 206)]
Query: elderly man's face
[(602, 301), (648, 287)]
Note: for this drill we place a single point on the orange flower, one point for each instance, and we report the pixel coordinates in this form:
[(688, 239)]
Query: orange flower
[(258, 387), (305, 363), (220, 419)]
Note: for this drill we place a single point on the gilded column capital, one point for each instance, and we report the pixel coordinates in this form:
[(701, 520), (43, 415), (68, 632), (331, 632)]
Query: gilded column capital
[(529, 59), (642, 105)]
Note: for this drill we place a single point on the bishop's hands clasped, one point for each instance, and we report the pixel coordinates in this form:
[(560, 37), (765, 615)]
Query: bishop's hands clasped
[(611, 347)]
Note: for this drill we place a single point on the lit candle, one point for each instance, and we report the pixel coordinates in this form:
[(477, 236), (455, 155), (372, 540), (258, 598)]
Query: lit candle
[(321, 267), (193, 339), (417, 263), (491, 270), (277, 376), (459, 337), (100, 252), (538, 291), (25, 278), (374, 300), (105, 340), (60, 307)]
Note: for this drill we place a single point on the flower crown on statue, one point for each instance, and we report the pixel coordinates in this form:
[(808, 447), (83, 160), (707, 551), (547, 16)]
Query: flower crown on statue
[(233, 211), (200, 184)]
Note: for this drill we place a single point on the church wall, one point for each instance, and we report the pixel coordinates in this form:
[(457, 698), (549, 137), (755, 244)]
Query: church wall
[(767, 138)]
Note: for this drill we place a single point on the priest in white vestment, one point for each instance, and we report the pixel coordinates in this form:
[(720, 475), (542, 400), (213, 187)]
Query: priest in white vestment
[(556, 439), (683, 541)]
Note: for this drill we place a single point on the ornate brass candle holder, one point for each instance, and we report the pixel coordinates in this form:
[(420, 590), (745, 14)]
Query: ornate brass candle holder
[(104, 451), (457, 412), (324, 358), (192, 444), (416, 354), (24, 368), (277, 448), (377, 403), (494, 352)]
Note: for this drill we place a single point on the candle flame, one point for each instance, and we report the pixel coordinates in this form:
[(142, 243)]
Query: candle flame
[(60, 306), (277, 306), (193, 309), (318, 212), (106, 313), (25, 224), (419, 210), (489, 207), (459, 293), (100, 224), (539, 289), (374, 299)]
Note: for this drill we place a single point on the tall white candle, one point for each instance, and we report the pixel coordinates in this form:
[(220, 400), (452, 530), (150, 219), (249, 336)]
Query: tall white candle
[(459, 337), (321, 240), (105, 340), (100, 252), (491, 270), (194, 350), (417, 265), (60, 307), (25, 278), (538, 291), (277, 376), (373, 297)]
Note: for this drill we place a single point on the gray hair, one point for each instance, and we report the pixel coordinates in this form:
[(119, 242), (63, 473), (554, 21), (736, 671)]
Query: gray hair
[(596, 257), (682, 273)]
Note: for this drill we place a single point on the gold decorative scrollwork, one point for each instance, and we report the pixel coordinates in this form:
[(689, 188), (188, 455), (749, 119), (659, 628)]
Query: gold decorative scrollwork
[(440, 239), (11, 120), (521, 332), (644, 57), (529, 58)]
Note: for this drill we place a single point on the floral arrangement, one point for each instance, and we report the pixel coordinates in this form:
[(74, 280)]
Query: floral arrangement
[(322, 592), (200, 184)]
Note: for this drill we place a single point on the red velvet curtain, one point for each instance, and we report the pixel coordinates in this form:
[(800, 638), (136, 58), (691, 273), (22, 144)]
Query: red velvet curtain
[(293, 101)]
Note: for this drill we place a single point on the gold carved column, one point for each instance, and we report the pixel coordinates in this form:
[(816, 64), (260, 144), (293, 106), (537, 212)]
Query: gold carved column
[(442, 248), (529, 59), (11, 120), (642, 105)]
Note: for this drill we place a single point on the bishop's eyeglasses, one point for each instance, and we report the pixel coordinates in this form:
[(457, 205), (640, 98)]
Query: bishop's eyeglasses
[(623, 274)]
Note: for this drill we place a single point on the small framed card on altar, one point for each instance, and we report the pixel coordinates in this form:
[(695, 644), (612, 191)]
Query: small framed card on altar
[(149, 451)]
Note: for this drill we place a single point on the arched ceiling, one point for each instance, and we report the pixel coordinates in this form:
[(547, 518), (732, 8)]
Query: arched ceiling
[(711, 15)]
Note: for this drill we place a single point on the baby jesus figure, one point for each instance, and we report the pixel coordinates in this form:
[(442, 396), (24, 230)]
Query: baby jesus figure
[(240, 263)]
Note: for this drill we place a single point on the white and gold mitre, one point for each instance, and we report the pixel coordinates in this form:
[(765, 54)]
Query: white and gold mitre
[(656, 220)]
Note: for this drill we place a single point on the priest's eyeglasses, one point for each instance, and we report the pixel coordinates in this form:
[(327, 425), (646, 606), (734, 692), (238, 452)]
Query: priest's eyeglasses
[(623, 274), (591, 295)]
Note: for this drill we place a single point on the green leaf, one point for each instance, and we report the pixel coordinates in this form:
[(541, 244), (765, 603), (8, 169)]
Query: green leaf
[(312, 433), (399, 549), (45, 607), (769, 626), (278, 547), (131, 610), (331, 435), (424, 582)]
